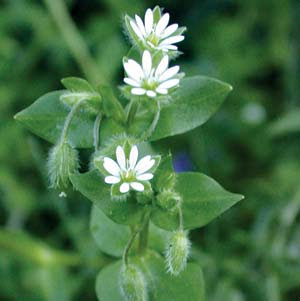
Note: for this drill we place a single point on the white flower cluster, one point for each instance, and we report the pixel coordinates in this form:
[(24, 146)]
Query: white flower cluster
[(129, 173), (148, 78)]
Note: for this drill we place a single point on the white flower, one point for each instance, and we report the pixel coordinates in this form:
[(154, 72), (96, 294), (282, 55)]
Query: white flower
[(148, 80), (157, 35), (129, 172)]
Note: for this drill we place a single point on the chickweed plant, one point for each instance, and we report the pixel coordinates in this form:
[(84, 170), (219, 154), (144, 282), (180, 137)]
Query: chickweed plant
[(136, 194)]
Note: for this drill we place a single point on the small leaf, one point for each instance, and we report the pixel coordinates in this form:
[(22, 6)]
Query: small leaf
[(203, 199), (189, 285), (46, 118), (76, 84), (194, 102), (92, 186)]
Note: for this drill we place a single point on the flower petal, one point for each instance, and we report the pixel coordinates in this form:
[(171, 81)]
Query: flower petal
[(121, 157), (169, 30), (133, 156), (140, 25), (162, 66), (169, 83), (124, 188), (111, 166), (137, 186), (169, 73), (112, 180), (144, 164), (151, 93), (131, 82), (161, 91), (148, 21), (147, 63), (138, 91), (167, 47), (145, 177), (162, 24), (172, 40), (136, 29), (134, 70)]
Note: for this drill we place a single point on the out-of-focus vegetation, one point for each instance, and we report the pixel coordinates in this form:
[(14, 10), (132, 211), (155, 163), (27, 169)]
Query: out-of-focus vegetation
[(251, 145)]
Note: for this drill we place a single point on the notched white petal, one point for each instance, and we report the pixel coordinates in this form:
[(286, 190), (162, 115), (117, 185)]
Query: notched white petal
[(138, 91), (133, 156), (137, 186), (169, 30), (172, 40), (162, 66), (162, 24), (169, 73), (149, 21), (161, 91), (145, 177), (136, 29), (120, 154), (169, 84), (124, 188), (111, 166), (140, 25), (144, 165), (151, 93), (112, 180), (131, 82), (147, 62)]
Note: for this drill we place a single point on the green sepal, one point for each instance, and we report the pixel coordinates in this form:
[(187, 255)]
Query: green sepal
[(156, 14), (132, 35), (111, 106)]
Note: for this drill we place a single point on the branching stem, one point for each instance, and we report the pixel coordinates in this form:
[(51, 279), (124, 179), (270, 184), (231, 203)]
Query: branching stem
[(69, 118)]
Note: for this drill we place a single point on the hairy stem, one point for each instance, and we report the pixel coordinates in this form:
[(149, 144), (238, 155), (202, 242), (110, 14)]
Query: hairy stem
[(69, 118), (75, 42), (96, 131), (153, 125), (143, 230), (180, 217), (133, 106)]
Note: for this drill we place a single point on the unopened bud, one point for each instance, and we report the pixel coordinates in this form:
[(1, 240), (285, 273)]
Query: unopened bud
[(168, 199), (62, 162), (177, 252), (132, 284)]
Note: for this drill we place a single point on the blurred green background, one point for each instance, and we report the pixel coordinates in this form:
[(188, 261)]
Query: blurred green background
[(251, 146)]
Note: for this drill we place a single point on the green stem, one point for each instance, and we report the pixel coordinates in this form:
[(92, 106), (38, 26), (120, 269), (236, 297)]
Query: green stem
[(96, 131), (131, 112), (69, 118), (153, 125), (143, 231), (75, 42), (180, 217)]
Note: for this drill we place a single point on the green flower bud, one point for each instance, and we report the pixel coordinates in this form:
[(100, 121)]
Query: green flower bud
[(168, 199), (177, 252), (62, 162), (132, 284)]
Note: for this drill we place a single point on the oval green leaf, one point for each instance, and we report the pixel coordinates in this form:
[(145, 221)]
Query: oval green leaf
[(91, 185), (46, 118), (203, 199), (194, 102)]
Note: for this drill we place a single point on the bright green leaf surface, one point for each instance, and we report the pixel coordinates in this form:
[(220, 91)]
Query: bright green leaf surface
[(92, 185), (189, 285), (112, 238), (203, 199), (46, 118), (194, 102)]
